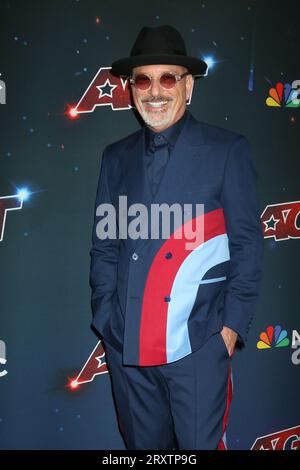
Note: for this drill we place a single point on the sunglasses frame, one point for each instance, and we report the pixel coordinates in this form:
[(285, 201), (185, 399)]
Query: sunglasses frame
[(177, 77)]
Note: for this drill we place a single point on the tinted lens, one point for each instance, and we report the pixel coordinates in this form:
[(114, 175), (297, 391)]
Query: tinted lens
[(167, 80), (142, 82)]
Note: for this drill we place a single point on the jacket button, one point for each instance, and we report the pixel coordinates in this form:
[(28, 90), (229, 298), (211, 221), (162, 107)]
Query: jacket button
[(135, 256), (168, 255), (167, 298)]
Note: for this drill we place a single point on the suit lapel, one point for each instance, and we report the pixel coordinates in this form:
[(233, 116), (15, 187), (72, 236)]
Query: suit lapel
[(136, 179)]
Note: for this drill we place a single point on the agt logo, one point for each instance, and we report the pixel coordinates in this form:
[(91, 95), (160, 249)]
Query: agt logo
[(3, 360), (280, 221), (2, 92), (105, 89), (277, 338), (95, 365), (11, 203), (284, 95), (288, 439)]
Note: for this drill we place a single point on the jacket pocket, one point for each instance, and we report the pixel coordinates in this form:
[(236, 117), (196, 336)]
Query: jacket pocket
[(224, 345)]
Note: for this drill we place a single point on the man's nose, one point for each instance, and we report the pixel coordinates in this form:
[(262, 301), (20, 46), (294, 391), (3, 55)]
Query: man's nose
[(155, 88)]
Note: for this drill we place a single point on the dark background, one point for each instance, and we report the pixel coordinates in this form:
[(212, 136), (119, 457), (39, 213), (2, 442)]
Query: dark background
[(45, 310)]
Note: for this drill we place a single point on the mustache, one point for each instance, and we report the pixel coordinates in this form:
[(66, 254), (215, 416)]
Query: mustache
[(157, 99)]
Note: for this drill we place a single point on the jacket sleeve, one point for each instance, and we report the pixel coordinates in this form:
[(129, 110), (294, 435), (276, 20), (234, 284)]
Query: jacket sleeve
[(246, 242), (104, 257)]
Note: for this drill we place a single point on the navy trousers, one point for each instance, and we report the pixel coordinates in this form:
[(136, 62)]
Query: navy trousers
[(181, 405)]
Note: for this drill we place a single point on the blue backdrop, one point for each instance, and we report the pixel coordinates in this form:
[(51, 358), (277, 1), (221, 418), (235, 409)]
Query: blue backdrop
[(50, 158)]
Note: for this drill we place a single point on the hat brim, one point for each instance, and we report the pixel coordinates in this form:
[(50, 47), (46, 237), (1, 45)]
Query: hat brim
[(124, 66)]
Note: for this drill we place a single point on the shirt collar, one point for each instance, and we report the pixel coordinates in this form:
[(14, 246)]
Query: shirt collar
[(171, 133)]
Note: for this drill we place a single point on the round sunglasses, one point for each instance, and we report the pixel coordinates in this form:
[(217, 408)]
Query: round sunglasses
[(167, 80)]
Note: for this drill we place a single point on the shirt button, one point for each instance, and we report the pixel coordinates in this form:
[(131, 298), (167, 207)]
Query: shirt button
[(168, 255), (158, 139), (167, 298), (135, 256)]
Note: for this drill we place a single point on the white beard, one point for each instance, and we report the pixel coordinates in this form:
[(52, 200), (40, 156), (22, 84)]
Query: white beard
[(157, 118)]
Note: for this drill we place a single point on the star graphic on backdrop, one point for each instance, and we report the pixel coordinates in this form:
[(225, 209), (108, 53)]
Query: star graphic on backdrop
[(109, 89), (99, 359), (271, 223)]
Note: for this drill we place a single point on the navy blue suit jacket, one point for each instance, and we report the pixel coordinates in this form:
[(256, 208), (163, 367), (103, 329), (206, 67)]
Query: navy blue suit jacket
[(153, 299)]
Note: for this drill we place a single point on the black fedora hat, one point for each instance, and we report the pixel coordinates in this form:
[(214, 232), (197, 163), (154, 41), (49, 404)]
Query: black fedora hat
[(158, 45)]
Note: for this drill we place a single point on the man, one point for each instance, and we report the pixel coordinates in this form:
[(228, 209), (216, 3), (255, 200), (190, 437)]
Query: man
[(170, 315)]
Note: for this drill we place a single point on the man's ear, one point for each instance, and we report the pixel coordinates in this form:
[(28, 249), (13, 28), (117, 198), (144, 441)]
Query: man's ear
[(190, 86)]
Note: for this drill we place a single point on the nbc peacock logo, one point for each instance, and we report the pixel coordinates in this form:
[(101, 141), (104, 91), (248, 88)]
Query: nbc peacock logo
[(273, 338), (284, 95)]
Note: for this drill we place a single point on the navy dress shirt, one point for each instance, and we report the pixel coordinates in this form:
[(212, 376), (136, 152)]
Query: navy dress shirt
[(169, 136)]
